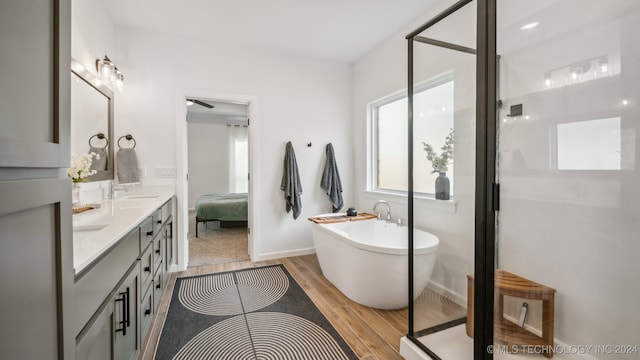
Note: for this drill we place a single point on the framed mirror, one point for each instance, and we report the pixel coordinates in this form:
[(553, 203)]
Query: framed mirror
[(92, 120)]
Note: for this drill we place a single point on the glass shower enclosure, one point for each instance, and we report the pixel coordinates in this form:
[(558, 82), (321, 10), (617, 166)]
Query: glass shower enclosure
[(567, 165), (444, 48), (539, 248)]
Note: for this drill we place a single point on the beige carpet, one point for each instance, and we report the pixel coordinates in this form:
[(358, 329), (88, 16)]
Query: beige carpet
[(215, 245)]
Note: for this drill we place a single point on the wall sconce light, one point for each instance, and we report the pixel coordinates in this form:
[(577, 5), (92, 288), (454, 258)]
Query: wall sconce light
[(110, 73), (604, 64), (579, 72), (576, 73), (119, 79)]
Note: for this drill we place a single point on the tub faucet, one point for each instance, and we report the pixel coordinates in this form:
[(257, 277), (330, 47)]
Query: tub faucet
[(388, 209)]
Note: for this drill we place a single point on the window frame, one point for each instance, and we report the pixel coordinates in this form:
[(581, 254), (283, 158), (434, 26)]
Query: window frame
[(372, 124)]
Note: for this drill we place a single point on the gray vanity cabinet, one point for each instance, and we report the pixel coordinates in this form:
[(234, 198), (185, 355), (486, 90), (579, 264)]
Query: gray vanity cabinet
[(117, 295), (97, 342), (126, 317), (36, 255), (146, 289), (146, 267), (107, 296), (168, 244), (146, 311), (113, 331)]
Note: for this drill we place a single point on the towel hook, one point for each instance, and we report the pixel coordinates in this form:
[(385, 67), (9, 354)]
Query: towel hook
[(309, 145), (100, 136), (129, 138)]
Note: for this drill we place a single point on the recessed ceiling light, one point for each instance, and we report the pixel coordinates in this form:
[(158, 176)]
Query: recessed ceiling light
[(530, 25)]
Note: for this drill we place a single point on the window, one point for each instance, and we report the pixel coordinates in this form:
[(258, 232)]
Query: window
[(433, 120), (589, 145), (238, 159)]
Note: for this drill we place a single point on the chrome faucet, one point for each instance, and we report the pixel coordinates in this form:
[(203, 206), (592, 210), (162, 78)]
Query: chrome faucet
[(115, 188), (388, 209)]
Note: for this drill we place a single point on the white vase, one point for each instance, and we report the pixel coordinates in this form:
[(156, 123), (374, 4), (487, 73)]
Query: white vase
[(75, 194)]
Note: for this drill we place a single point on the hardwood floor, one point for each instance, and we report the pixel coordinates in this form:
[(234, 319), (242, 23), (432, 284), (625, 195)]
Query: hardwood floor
[(372, 334)]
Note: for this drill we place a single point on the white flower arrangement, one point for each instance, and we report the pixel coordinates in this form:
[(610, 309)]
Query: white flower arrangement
[(440, 162), (80, 168)]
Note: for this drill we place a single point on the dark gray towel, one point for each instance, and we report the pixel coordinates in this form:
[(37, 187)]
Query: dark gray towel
[(127, 164), (291, 182), (101, 163), (331, 183)]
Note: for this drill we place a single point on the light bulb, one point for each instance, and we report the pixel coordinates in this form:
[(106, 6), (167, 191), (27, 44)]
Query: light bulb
[(604, 64), (604, 68), (106, 68), (119, 81), (547, 80), (576, 73)]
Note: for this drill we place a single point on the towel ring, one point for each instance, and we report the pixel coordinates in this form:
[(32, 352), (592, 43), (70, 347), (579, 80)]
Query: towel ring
[(127, 137), (100, 136)]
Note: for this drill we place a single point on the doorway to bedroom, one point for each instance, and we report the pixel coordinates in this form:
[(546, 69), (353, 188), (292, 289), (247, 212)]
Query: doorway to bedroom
[(218, 181)]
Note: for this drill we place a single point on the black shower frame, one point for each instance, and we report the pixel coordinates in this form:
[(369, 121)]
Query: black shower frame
[(486, 189)]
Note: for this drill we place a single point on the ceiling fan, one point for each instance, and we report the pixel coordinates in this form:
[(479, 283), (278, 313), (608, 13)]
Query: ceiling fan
[(201, 103)]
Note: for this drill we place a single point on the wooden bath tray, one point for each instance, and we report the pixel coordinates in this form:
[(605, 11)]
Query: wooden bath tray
[(341, 218), (78, 210)]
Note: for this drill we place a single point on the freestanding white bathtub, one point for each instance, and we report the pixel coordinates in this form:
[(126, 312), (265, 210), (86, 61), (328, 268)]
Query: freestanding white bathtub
[(368, 260)]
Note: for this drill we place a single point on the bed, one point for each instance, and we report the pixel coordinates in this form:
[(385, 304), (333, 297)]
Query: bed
[(229, 209)]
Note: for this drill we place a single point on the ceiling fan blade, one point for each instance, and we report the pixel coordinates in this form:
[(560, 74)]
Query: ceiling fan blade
[(202, 103)]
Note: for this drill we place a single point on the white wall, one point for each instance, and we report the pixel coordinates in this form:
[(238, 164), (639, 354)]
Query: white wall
[(384, 71), (208, 159), (300, 100), (92, 33)]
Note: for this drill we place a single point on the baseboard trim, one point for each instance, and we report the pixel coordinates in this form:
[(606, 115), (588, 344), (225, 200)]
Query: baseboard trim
[(173, 268), (446, 293), (283, 254)]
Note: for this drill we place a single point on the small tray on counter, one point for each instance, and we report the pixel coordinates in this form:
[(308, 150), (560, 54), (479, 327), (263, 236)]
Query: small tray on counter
[(81, 209), (341, 218)]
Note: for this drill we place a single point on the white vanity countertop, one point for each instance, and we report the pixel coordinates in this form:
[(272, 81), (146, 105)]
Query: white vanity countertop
[(97, 230)]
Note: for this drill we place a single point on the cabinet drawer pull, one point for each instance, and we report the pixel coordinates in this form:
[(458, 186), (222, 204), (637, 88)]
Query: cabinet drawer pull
[(157, 251), (150, 233), (126, 315), (158, 286), (147, 268), (147, 312), (159, 221)]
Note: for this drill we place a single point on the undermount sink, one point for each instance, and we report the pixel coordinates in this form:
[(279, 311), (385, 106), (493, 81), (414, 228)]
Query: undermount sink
[(96, 227), (140, 197)]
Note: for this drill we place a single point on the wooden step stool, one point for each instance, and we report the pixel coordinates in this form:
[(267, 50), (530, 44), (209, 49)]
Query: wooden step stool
[(504, 330)]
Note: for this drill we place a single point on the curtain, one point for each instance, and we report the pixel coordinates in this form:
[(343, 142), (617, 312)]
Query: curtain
[(238, 159)]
